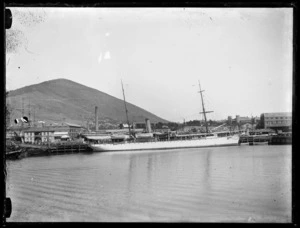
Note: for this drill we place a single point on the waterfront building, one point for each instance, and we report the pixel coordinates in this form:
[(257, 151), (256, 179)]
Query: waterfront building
[(10, 134), (247, 126), (39, 135), (143, 125), (243, 120), (16, 133), (193, 128), (61, 136), (51, 133), (241, 123), (124, 126), (73, 129), (277, 121)]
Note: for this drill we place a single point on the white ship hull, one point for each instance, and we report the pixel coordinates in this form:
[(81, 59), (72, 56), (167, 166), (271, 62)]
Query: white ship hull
[(160, 145)]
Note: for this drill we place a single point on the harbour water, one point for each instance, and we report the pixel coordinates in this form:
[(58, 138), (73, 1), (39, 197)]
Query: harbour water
[(224, 184)]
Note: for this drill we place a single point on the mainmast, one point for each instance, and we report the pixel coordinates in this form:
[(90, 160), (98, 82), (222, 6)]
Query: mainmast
[(126, 109), (204, 112)]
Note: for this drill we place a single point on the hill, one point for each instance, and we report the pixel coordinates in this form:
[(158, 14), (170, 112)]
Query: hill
[(63, 100)]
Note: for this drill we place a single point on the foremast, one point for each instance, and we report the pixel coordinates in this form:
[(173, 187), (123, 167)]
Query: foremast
[(203, 109)]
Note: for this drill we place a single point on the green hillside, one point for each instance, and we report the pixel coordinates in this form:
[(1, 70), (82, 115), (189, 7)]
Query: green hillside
[(63, 100)]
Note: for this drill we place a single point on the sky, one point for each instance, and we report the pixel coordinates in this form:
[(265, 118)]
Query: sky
[(242, 57)]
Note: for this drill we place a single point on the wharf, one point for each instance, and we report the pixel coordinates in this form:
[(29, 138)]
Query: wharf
[(254, 139), (28, 150), (71, 147), (281, 139), (13, 154)]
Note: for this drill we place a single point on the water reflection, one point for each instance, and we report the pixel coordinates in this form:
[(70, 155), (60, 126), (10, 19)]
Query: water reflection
[(204, 185), (207, 173), (149, 170)]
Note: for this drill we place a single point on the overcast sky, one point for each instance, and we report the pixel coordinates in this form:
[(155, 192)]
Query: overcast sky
[(242, 57)]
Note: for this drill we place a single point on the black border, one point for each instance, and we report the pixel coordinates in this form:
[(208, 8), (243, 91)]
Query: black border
[(93, 3)]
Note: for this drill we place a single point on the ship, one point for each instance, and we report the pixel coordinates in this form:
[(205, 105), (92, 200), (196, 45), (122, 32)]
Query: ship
[(162, 141)]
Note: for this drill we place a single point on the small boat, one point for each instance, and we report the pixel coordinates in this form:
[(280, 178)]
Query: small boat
[(13, 154)]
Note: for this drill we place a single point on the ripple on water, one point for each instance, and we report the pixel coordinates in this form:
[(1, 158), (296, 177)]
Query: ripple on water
[(229, 184)]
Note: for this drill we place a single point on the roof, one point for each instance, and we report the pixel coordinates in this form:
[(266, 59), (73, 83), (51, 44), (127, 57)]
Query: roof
[(191, 135), (244, 118), (248, 124), (40, 129), (144, 135), (57, 133), (117, 130), (73, 125), (263, 130), (65, 136), (18, 128), (98, 137), (47, 128), (275, 114), (120, 136)]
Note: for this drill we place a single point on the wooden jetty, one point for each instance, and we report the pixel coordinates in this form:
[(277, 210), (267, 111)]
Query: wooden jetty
[(13, 154), (69, 147), (23, 150), (254, 139), (281, 139)]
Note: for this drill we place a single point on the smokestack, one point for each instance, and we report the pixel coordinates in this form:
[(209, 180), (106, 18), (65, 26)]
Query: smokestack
[(96, 117), (238, 120), (229, 120), (148, 126)]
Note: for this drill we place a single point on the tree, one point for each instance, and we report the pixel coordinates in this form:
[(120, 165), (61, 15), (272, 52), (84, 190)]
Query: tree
[(159, 125), (173, 126), (260, 124), (193, 123)]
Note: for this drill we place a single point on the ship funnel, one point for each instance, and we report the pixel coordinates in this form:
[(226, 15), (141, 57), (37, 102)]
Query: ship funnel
[(148, 126), (238, 120), (96, 117)]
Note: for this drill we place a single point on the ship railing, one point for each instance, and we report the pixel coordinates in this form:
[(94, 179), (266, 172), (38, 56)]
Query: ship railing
[(160, 140)]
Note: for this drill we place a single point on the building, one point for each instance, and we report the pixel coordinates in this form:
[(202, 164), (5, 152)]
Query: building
[(277, 121), (16, 133), (43, 134), (51, 133), (247, 126), (243, 120), (73, 129), (39, 135), (241, 123), (141, 125), (193, 128), (124, 126), (61, 136)]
